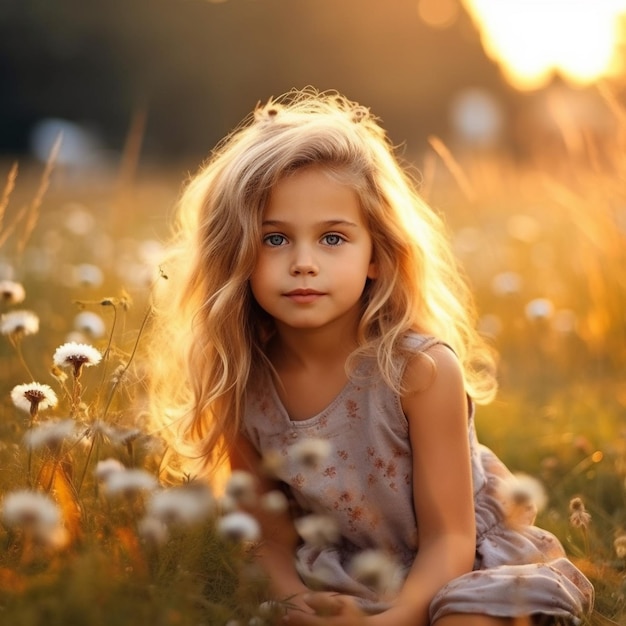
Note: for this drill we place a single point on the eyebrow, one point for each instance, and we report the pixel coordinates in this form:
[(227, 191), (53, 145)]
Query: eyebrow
[(326, 223)]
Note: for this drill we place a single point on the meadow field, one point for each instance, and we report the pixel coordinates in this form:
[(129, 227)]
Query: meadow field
[(92, 533)]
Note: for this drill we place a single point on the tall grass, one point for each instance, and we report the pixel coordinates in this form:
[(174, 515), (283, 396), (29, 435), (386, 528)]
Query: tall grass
[(543, 241)]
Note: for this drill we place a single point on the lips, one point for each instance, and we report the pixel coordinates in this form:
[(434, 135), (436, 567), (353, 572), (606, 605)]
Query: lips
[(304, 296)]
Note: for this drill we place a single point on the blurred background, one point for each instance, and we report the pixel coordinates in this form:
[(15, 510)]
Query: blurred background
[(182, 73)]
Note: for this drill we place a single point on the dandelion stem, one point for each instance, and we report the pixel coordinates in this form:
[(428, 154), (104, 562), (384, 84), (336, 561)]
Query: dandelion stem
[(96, 436), (17, 344)]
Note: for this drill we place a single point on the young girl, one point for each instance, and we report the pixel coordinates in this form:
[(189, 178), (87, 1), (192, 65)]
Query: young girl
[(325, 339)]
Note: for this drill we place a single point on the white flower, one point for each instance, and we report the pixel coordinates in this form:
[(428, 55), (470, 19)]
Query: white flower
[(377, 570), (181, 505), (129, 482), (31, 510), (90, 323), (274, 501), (76, 355), (11, 292), (19, 322), (105, 468), (317, 530), (88, 275), (153, 530), (506, 283), (239, 526), (539, 309), (310, 452), (51, 433), (33, 396), (242, 488)]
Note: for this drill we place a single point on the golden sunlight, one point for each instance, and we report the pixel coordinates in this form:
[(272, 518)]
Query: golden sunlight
[(532, 40)]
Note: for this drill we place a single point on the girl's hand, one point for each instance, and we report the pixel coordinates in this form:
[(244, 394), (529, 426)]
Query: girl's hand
[(330, 609)]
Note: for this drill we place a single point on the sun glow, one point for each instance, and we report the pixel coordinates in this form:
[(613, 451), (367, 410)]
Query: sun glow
[(531, 40)]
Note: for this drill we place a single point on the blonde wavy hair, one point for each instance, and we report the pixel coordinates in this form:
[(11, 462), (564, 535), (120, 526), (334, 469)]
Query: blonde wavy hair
[(209, 335)]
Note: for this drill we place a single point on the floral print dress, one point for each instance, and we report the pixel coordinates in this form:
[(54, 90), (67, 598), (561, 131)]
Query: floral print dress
[(364, 483)]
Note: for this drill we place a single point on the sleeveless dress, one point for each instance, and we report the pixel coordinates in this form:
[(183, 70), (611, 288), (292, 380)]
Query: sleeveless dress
[(364, 483)]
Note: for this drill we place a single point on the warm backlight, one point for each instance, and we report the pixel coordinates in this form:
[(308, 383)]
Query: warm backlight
[(531, 40)]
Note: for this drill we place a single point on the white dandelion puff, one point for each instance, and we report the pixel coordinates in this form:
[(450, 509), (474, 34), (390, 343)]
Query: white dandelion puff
[(52, 434), (579, 517), (33, 397), (377, 570), (522, 496), (130, 482), (153, 530), (242, 488), (11, 292), (239, 527), (539, 309), (76, 355), (19, 323), (310, 452), (90, 324), (88, 275), (274, 501), (317, 530), (31, 511), (106, 467), (181, 505)]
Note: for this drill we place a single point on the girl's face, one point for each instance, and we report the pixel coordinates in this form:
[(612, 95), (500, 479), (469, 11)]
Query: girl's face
[(316, 253)]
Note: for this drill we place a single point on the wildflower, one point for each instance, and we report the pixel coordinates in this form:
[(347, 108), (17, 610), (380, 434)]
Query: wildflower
[(274, 501), (130, 482), (11, 292), (377, 570), (33, 397), (52, 434), (317, 530), (526, 490), (239, 527), (539, 309), (153, 530), (19, 323), (181, 505), (88, 275), (310, 452), (620, 546), (579, 517), (105, 468), (90, 323), (506, 283), (31, 511), (242, 488), (76, 355)]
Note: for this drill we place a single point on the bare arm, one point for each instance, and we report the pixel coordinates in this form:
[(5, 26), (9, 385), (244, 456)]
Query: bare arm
[(279, 538)]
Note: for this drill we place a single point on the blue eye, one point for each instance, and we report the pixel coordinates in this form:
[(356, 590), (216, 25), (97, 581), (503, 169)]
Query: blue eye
[(274, 240), (333, 239)]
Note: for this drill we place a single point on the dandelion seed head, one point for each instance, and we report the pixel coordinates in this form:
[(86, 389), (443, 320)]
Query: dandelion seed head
[(377, 570), (30, 510), (539, 309), (76, 354), (11, 292), (274, 501), (242, 488), (239, 527), (90, 323), (153, 530), (42, 396), (19, 323), (579, 517), (129, 482), (317, 530), (526, 488), (310, 452), (52, 434), (87, 275), (105, 468), (181, 505)]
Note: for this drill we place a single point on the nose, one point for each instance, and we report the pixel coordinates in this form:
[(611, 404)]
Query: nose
[(303, 263)]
